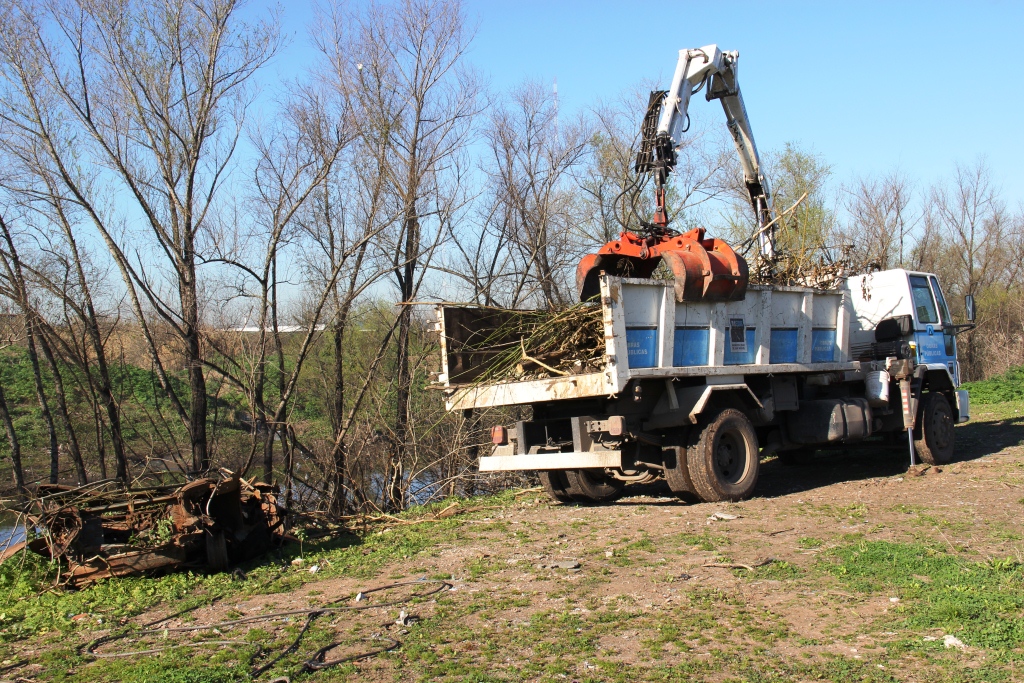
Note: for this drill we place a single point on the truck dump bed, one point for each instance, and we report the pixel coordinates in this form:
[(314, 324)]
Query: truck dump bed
[(648, 334)]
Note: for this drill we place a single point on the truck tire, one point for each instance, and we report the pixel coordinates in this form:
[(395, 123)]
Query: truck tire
[(556, 485), (677, 474), (593, 486), (723, 457), (934, 438)]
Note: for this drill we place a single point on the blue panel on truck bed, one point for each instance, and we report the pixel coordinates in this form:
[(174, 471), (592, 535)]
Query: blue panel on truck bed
[(747, 358), (823, 346), (642, 347), (784, 343), (691, 346)]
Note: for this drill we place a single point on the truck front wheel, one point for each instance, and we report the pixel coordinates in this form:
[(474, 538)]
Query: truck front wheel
[(723, 457), (934, 440)]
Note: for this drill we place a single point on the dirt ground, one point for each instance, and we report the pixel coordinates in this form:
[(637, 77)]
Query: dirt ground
[(850, 568)]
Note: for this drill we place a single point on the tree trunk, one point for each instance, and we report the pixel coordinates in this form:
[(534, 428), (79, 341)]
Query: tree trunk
[(197, 417), (407, 281), (268, 453), (196, 378), (288, 445), (62, 411), (12, 439), (106, 396), (337, 502), (44, 406)]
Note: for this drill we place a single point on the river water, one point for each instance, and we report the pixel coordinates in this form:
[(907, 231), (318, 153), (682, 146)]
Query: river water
[(12, 529)]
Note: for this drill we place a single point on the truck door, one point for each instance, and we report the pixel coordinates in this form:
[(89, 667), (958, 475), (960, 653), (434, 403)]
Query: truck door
[(948, 332), (931, 344)]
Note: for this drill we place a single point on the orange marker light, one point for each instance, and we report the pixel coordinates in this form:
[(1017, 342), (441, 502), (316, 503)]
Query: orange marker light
[(499, 436)]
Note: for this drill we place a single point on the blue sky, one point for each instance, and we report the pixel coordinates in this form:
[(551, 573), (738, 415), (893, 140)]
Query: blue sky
[(869, 86)]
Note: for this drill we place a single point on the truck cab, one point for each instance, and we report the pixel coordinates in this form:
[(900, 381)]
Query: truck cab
[(915, 300)]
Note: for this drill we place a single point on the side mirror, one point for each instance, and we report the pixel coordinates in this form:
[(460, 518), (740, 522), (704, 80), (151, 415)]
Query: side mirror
[(969, 307)]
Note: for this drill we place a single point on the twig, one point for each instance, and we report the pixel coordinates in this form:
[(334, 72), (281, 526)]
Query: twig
[(537, 362), (781, 531), (525, 491), (748, 567), (776, 219)]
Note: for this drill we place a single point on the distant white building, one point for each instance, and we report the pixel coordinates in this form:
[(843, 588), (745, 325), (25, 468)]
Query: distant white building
[(280, 328)]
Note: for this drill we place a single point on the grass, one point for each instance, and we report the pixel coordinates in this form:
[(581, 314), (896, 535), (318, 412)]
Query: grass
[(980, 602), (702, 633), (648, 611), (28, 609), (1000, 389)]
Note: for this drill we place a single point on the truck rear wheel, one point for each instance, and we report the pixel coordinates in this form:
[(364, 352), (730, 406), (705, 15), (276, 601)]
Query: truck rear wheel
[(677, 474), (593, 486), (934, 440), (556, 485), (723, 457)]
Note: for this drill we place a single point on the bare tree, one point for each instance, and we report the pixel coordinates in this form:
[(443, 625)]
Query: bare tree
[(414, 99), (974, 225), (17, 290), (156, 96), (881, 222), (530, 160), (13, 441), (968, 239), (344, 218), (44, 178), (298, 159)]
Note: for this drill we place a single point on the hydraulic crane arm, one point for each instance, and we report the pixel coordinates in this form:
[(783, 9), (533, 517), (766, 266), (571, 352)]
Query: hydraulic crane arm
[(703, 268), (697, 67)]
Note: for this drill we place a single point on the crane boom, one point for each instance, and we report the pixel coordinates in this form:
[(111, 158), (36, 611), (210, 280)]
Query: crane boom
[(695, 68), (703, 268)]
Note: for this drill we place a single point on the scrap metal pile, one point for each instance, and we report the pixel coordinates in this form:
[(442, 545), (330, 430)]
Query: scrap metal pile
[(101, 531)]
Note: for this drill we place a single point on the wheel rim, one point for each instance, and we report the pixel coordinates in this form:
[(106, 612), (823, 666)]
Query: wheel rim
[(730, 457)]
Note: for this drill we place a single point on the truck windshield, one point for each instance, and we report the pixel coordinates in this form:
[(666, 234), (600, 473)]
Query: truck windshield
[(924, 306), (943, 310)]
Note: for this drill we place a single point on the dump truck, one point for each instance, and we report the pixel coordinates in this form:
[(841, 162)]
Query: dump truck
[(703, 375)]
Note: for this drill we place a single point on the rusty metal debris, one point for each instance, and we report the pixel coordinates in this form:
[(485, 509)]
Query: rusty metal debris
[(105, 531)]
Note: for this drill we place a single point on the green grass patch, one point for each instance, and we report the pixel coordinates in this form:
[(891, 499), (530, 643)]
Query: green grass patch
[(1000, 389), (980, 602), (704, 541)]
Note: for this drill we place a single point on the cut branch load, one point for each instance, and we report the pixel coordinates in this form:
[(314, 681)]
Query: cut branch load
[(487, 345)]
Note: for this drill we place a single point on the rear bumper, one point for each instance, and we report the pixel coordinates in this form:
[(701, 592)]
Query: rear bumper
[(551, 461)]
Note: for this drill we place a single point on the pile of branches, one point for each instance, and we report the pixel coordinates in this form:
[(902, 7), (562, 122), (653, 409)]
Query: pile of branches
[(819, 268), (102, 530), (813, 264), (540, 344)]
